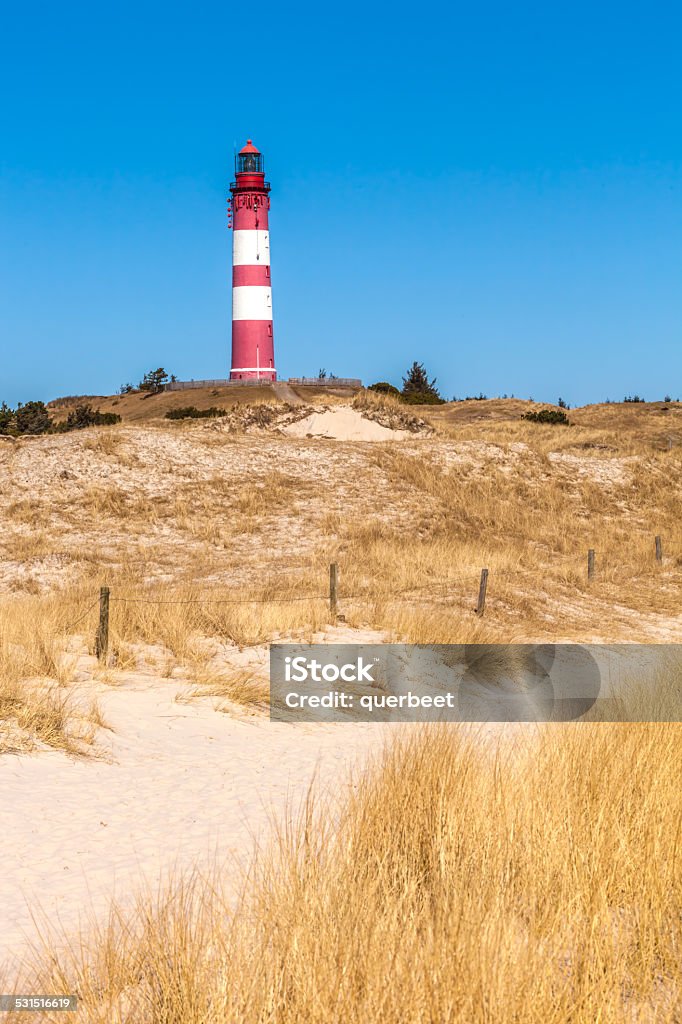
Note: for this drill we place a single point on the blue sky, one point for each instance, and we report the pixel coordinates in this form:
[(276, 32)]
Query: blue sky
[(493, 189)]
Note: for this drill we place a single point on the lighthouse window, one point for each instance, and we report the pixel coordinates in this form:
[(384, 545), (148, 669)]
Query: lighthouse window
[(250, 163)]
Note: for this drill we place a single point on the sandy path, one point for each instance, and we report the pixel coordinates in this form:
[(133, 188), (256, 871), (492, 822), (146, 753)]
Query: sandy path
[(181, 784), (286, 393)]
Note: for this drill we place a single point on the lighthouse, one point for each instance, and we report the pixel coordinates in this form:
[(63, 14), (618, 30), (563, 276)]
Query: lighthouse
[(253, 352)]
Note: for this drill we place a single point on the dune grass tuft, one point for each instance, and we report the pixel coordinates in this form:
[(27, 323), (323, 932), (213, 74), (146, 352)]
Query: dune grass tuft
[(463, 881)]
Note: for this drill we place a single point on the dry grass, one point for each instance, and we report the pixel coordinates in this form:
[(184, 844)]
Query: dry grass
[(176, 617), (203, 534), (389, 411), (519, 513), (460, 883), (144, 406), (104, 442), (410, 522), (38, 702), (538, 883), (240, 687)]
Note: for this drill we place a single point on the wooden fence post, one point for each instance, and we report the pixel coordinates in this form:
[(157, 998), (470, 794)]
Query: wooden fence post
[(590, 564), (482, 589), (333, 590), (102, 638), (659, 550)]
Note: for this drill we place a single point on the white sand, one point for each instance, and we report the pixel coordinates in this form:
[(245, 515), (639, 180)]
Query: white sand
[(343, 423), (182, 785)]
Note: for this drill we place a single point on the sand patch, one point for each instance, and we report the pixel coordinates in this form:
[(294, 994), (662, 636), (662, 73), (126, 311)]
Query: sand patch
[(178, 785), (343, 424)]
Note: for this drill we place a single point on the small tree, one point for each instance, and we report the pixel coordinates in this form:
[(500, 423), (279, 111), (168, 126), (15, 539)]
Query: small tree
[(418, 389), (154, 380), (8, 423), (125, 389)]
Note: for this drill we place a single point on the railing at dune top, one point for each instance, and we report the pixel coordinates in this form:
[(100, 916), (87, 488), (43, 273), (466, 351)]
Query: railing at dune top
[(183, 385), (328, 382), (437, 591), (322, 382)]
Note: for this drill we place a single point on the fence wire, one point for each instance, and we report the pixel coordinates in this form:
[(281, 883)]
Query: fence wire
[(67, 629), (433, 592), (221, 600)]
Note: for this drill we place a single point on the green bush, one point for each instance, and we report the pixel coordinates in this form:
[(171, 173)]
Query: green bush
[(31, 418), (384, 388), (551, 416), (190, 412), (85, 416), (421, 398)]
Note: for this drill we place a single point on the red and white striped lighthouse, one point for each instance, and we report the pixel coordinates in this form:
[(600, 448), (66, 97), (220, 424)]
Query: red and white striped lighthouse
[(253, 352)]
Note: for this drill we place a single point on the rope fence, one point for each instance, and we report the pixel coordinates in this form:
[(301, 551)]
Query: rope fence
[(410, 595)]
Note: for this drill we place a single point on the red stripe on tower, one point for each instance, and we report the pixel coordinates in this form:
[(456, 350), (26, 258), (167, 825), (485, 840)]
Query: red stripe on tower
[(253, 352)]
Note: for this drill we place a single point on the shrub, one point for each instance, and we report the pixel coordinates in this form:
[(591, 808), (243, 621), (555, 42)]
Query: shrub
[(552, 416), (633, 398), (384, 388), (415, 398), (85, 416), (192, 413), (32, 418)]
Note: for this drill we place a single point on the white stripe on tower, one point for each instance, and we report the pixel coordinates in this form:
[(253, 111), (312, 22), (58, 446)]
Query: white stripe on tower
[(251, 248), (251, 302)]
